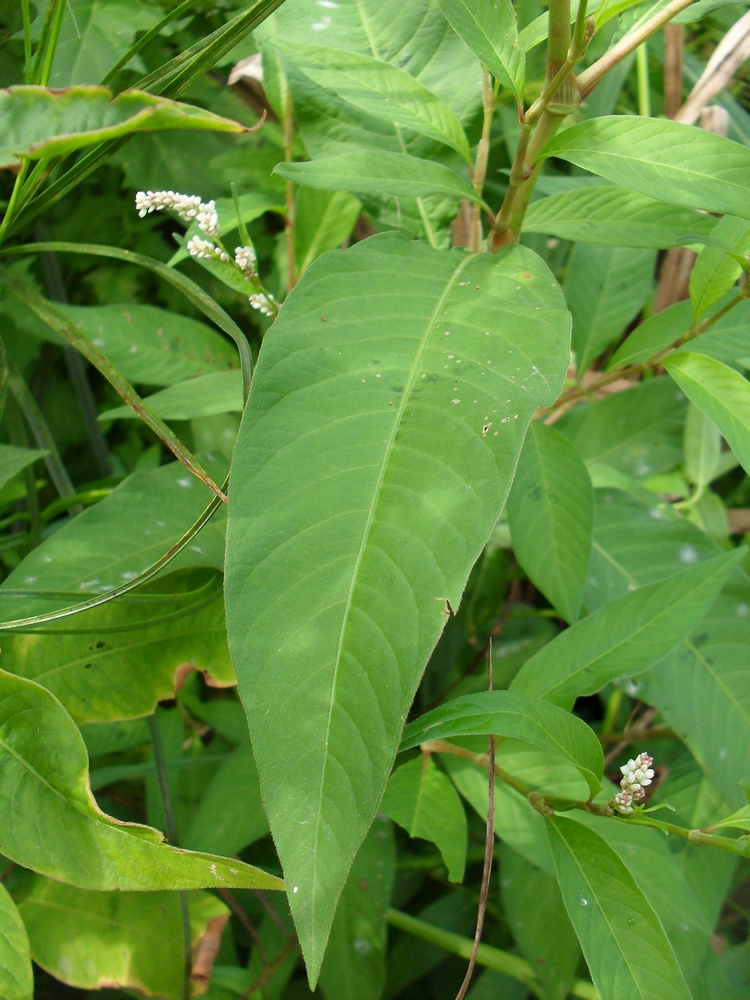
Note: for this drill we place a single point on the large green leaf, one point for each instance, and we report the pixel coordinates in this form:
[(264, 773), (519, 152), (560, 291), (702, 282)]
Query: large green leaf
[(16, 976), (380, 89), (38, 123), (626, 636), (114, 541), (490, 30), (628, 954), (151, 346), (551, 516), (537, 917), (506, 713), (395, 174), (230, 816), (203, 396), (614, 217), (322, 221), (387, 411), (679, 164), (715, 271), (118, 660), (355, 964), (50, 822), (721, 393), (422, 800), (95, 939), (605, 288)]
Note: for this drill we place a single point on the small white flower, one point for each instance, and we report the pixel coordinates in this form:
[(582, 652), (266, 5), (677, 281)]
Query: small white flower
[(624, 802), (198, 247), (245, 258), (262, 301), (187, 206), (636, 775)]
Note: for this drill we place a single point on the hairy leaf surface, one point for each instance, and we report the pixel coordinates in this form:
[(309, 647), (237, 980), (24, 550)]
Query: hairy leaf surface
[(386, 415)]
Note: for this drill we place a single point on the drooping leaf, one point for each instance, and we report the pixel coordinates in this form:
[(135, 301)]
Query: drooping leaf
[(721, 393), (537, 917), (203, 396), (550, 514), (656, 333), (355, 961), (115, 540), (95, 939), (490, 30), (322, 221), (16, 976), (118, 660), (665, 160), (715, 271), (381, 89), (230, 816), (14, 460), (638, 431), (50, 822), (396, 174), (506, 713), (626, 636), (151, 346), (613, 217), (605, 288), (423, 801), (38, 122), (359, 509), (627, 952)]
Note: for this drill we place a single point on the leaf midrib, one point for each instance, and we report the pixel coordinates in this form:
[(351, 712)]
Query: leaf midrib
[(405, 398)]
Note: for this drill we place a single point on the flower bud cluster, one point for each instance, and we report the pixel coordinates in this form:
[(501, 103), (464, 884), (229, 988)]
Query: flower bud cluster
[(263, 302), (245, 259), (187, 206), (198, 247), (636, 775)]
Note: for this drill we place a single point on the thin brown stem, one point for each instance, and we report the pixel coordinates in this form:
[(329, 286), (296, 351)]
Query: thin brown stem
[(271, 912), (489, 102), (235, 906), (651, 733), (489, 848), (266, 974)]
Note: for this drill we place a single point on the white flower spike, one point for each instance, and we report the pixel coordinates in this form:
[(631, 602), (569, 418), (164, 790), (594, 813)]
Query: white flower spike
[(198, 247), (637, 774), (187, 206), (245, 258), (262, 301)]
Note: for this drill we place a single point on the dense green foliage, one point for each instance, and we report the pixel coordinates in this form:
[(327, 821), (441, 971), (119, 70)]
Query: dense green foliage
[(374, 419)]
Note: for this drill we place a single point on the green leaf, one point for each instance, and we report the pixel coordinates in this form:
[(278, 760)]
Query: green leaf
[(151, 346), (50, 822), (505, 713), (115, 540), (14, 460), (423, 801), (230, 816), (40, 123), (656, 333), (721, 393), (355, 961), (359, 509), (118, 660), (396, 174), (668, 161), (739, 820), (92, 939), (626, 636), (16, 976), (322, 221), (490, 30), (624, 944), (638, 431), (220, 392), (380, 89), (551, 515), (716, 270), (537, 918), (702, 447), (94, 34), (605, 288), (612, 216)]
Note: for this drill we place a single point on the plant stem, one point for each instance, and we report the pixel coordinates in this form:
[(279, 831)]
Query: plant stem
[(26, 41), (489, 103), (51, 47), (289, 230), (644, 85), (15, 195), (160, 762)]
